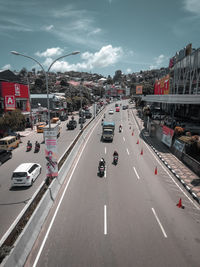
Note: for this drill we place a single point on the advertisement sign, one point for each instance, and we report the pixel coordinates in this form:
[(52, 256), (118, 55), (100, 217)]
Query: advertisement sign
[(179, 145), (9, 102), (139, 89), (167, 136), (14, 89), (51, 156), (161, 86)]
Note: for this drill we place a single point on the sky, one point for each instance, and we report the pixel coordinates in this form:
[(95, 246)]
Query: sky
[(128, 35)]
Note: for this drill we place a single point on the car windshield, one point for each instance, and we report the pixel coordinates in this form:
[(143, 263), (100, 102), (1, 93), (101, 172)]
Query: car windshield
[(19, 174)]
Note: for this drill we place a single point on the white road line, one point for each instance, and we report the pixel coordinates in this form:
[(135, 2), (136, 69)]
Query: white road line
[(136, 173), (169, 174), (127, 151), (105, 150), (105, 173), (105, 220), (163, 231), (124, 139), (56, 211)]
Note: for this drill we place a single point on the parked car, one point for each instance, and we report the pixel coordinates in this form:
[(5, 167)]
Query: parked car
[(83, 119), (124, 107), (111, 111), (25, 174), (71, 125), (5, 155), (117, 109)]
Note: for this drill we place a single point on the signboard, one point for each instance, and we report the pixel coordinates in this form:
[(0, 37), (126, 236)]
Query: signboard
[(9, 102), (178, 145), (139, 89), (161, 86), (51, 154), (167, 136)]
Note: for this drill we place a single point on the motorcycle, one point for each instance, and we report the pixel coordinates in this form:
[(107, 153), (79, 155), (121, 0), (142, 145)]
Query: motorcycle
[(101, 171), (37, 149), (120, 129), (115, 160), (28, 147)]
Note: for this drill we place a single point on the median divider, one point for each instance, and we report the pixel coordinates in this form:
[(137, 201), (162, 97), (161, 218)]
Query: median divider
[(20, 240)]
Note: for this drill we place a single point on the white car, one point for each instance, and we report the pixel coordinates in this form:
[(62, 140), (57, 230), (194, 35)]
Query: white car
[(111, 111), (25, 174)]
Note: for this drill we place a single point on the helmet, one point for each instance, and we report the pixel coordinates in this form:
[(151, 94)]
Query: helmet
[(101, 160)]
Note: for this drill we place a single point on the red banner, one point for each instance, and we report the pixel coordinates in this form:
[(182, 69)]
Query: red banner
[(15, 89)]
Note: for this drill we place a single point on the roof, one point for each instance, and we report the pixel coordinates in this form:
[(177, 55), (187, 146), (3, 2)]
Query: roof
[(23, 167)]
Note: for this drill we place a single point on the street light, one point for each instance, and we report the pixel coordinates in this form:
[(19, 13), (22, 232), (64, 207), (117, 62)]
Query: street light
[(81, 84), (46, 74)]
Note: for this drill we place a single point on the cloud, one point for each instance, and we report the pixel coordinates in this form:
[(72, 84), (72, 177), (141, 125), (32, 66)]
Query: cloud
[(128, 70), (49, 28), (105, 57), (50, 52), (158, 62), (192, 6), (6, 67)]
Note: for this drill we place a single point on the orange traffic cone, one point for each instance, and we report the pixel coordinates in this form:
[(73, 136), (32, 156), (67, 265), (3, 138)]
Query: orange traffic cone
[(156, 171), (179, 205), (141, 153), (137, 142)]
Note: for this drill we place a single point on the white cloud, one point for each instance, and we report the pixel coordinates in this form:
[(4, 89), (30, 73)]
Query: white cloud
[(105, 57), (6, 67), (50, 52), (129, 70), (49, 28), (158, 61), (192, 6)]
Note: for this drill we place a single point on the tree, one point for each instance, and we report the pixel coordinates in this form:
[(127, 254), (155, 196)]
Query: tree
[(13, 120)]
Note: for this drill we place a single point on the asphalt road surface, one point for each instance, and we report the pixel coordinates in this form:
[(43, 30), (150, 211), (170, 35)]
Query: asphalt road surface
[(13, 200), (128, 217)]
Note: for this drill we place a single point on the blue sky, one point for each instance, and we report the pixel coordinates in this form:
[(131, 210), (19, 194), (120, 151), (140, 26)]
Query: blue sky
[(128, 35)]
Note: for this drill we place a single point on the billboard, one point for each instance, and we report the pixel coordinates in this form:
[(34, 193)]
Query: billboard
[(9, 102), (15, 89), (167, 136), (139, 89), (162, 86)]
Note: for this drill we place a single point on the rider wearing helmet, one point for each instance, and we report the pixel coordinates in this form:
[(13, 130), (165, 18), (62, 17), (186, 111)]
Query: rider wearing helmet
[(102, 163), (115, 153)]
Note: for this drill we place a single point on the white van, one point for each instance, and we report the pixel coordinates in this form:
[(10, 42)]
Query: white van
[(25, 174)]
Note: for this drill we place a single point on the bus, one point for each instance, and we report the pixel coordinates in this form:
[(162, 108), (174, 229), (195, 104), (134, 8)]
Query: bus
[(9, 142)]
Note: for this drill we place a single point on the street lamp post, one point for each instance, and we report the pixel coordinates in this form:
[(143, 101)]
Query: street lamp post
[(81, 84), (46, 74)]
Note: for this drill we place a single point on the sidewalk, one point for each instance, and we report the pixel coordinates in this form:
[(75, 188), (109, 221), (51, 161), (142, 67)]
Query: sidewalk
[(186, 176)]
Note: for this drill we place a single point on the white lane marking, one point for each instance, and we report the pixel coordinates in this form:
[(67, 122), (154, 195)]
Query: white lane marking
[(105, 220), (105, 173), (136, 173), (127, 151), (56, 211), (163, 231), (124, 139), (169, 174), (105, 150)]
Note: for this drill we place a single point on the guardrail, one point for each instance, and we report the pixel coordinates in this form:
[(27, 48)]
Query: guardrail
[(32, 210)]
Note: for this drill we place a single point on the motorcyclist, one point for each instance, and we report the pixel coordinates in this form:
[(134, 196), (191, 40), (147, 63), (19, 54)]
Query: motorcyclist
[(102, 163), (104, 115), (29, 143), (37, 144), (115, 154)]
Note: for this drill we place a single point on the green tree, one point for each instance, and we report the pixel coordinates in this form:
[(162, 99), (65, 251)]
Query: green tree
[(14, 120)]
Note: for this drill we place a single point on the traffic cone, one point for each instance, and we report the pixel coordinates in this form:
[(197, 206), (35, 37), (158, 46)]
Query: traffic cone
[(179, 205), (156, 171), (141, 153), (137, 142)]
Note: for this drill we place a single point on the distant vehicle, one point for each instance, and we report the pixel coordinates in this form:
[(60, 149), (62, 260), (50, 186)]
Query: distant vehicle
[(71, 125), (25, 174), (108, 129), (117, 109), (40, 127), (124, 107), (63, 117), (116, 105), (88, 114), (9, 142), (5, 155), (83, 119), (55, 120), (111, 111)]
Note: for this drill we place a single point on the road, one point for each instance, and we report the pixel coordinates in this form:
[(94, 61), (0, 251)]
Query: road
[(128, 217), (13, 200)]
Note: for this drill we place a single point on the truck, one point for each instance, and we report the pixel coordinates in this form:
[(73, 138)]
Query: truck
[(53, 131), (108, 129)]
